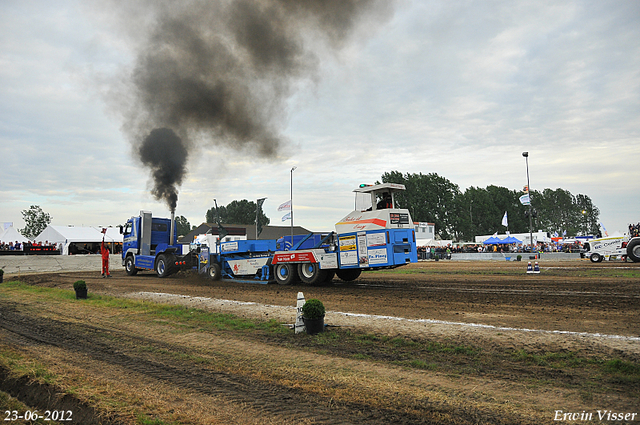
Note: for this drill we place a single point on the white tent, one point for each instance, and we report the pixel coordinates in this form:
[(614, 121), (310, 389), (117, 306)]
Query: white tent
[(433, 242), (67, 235), (12, 235), (112, 235)]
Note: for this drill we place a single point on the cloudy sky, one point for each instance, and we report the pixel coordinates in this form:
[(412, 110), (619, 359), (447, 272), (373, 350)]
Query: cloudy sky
[(458, 88)]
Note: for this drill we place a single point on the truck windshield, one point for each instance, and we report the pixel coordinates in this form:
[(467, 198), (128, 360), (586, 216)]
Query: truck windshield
[(363, 201)]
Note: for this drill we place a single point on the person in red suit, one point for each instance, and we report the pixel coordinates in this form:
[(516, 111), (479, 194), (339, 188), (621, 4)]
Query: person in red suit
[(105, 257)]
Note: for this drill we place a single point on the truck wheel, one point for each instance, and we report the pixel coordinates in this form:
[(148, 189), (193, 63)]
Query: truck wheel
[(130, 266), (162, 266), (595, 257), (215, 272), (329, 278), (348, 274), (286, 274), (633, 250), (311, 274)]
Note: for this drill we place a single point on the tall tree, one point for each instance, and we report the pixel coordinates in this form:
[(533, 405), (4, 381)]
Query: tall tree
[(238, 212), (485, 214), (506, 200), (429, 198), (556, 211), (590, 224), (182, 225), (482, 209), (35, 221)]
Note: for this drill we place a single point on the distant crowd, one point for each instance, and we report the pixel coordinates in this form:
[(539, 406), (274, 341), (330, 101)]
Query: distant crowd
[(17, 246), (634, 230), (440, 252)]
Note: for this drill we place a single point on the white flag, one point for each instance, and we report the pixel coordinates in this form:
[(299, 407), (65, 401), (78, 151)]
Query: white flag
[(525, 200), (285, 206), (505, 223), (287, 216)]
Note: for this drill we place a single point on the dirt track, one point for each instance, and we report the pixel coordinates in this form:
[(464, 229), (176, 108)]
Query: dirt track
[(569, 296)]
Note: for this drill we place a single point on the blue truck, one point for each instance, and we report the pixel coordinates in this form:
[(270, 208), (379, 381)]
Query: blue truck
[(149, 243), (375, 235)]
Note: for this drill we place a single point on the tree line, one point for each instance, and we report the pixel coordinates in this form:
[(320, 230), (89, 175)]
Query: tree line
[(461, 215)]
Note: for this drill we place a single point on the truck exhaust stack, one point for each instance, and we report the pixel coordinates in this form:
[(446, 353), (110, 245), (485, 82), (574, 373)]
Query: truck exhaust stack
[(172, 230)]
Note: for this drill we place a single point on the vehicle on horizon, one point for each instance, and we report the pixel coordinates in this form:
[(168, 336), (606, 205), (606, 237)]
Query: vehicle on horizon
[(613, 248)]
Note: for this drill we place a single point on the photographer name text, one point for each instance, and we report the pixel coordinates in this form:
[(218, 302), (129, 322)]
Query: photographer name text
[(601, 415)]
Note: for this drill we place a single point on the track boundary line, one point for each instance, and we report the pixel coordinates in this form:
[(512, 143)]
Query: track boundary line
[(395, 318)]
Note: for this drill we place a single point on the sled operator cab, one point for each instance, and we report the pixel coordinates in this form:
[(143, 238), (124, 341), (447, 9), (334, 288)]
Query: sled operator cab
[(376, 233), (376, 208)]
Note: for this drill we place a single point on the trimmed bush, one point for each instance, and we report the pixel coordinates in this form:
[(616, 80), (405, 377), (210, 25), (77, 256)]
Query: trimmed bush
[(313, 309), (79, 285)]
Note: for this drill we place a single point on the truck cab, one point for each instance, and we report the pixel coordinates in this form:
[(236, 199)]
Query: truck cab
[(148, 244)]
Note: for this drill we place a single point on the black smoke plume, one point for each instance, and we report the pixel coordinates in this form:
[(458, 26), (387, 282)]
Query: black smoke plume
[(166, 156), (220, 73)]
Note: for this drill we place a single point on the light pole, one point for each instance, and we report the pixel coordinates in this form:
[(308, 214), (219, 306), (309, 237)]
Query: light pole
[(586, 226), (471, 217), (526, 158), (292, 170)]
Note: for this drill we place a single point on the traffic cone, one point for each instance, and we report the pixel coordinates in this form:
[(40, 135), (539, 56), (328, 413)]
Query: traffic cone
[(529, 268), (536, 268), (299, 326)]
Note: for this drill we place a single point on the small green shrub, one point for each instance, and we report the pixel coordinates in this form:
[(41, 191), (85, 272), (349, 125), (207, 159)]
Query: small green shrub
[(79, 285), (313, 309)]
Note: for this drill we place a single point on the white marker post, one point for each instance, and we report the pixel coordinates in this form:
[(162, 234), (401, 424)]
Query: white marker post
[(299, 327)]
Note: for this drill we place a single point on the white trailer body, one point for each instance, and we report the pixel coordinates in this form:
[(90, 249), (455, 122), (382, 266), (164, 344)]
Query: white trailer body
[(608, 248)]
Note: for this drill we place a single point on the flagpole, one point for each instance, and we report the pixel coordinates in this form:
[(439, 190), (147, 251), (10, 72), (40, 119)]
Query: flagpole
[(526, 157), (292, 170)]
